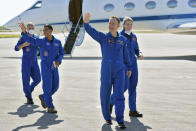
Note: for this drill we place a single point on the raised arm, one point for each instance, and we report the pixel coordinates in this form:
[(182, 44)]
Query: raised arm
[(32, 41), (96, 35)]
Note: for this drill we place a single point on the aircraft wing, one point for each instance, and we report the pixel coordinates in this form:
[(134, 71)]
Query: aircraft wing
[(183, 28)]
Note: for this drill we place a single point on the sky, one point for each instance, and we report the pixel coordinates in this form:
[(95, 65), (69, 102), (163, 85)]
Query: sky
[(11, 8)]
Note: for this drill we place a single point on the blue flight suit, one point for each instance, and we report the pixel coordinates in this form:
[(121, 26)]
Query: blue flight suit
[(114, 56), (131, 83), (30, 67), (50, 51)]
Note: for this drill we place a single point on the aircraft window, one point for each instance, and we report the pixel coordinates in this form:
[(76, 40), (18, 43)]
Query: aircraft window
[(150, 5), (36, 5), (129, 6), (172, 3), (192, 3), (108, 7)]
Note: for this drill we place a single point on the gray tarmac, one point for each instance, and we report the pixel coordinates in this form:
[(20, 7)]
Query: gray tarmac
[(166, 93)]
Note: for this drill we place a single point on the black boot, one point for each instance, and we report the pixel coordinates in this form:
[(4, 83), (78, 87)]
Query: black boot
[(111, 108), (52, 110), (42, 101), (121, 125), (30, 101), (109, 122), (135, 114)]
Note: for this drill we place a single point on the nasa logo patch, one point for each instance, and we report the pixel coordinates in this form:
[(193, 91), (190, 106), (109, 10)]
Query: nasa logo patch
[(45, 53), (47, 43)]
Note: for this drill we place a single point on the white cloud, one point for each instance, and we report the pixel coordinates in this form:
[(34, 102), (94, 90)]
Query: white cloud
[(11, 8)]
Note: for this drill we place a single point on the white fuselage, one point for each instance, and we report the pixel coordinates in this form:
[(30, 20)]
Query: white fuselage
[(56, 13)]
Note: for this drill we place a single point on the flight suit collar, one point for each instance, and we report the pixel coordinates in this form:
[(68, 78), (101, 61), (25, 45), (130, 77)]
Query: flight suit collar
[(51, 41), (110, 35), (123, 33)]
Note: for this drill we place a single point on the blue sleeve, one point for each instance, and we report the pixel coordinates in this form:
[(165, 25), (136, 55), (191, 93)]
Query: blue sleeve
[(37, 42), (21, 41), (136, 48), (33, 41), (128, 58), (60, 54), (96, 35)]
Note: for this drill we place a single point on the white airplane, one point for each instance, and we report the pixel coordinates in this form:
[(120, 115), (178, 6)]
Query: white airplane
[(175, 16)]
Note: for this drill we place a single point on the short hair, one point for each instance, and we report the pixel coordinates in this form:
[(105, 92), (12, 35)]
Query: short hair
[(49, 26), (30, 23), (115, 17), (127, 19)]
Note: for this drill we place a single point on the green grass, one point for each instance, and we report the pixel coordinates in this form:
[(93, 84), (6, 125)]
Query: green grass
[(148, 31), (6, 31), (3, 29), (9, 36)]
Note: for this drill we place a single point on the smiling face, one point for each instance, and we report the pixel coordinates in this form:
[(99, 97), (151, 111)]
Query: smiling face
[(114, 24), (47, 31)]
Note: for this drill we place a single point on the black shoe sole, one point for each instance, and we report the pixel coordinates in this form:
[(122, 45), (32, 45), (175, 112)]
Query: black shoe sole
[(136, 116), (52, 112), (109, 122), (121, 126)]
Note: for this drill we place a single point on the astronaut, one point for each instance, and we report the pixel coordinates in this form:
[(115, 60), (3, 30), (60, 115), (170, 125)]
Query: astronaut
[(114, 56), (131, 83), (30, 68), (51, 53)]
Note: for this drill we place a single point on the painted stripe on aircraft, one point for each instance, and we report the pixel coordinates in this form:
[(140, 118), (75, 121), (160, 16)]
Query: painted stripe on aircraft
[(143, 18)]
